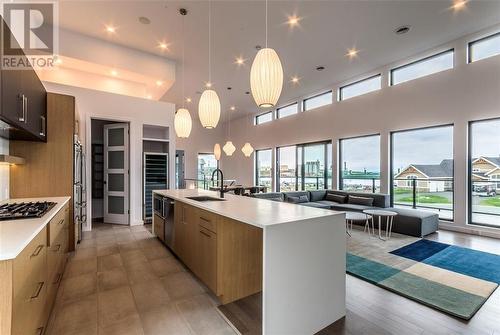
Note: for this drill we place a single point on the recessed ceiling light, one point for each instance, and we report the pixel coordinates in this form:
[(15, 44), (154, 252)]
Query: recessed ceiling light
[(258, 47), (110, 29), (459, 4), (247, 92), (163, 45), (402, 30), (293, 21), (144, 20), (233, 108), (159, 83), (295, 79), (188, 99), (114, 73), (239, 61), (320, 68), (208, 84), (351, 53), (229, 88)]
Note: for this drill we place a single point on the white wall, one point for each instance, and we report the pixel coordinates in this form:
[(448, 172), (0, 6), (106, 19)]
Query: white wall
[(100, 105), (4, 171), (467, 92)]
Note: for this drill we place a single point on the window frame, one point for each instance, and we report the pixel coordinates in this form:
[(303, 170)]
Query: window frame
[(256, 123), (285, 106), (471, 43), (256, 175), (341, 88), (340, 159), (391, 164), (197, 165), (315, 96), (392, 70)]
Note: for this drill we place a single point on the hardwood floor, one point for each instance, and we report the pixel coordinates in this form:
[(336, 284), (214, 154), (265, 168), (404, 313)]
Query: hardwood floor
[(373, 310)]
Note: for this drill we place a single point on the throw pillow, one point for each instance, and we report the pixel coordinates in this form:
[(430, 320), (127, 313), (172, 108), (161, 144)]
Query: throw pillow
[(335, 198), (298, 200), (360, 201)]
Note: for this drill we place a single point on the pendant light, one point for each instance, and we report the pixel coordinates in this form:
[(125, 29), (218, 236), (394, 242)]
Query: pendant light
[(217, 151), (182, 119), (266, 76), (229, 147), (247, 148), (209, 105)]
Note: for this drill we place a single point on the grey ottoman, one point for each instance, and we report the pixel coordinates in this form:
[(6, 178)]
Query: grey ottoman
[(414, 222)]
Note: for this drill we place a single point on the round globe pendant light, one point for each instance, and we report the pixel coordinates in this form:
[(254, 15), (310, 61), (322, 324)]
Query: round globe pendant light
[(217, 151), (182, 119), (229, 148), (209, 109), (209, 105), (247, 149), (182, 123), (266, 76)]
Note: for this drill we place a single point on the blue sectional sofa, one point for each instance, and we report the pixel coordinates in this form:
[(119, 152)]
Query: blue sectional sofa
[(408, 221)]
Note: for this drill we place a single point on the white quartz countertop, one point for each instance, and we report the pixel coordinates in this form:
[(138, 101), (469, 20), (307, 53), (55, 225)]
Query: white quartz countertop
[(15, 235), (253, 211)]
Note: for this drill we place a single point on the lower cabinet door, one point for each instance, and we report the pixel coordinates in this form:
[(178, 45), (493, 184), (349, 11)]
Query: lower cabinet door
[(159, 227), (206, 258)]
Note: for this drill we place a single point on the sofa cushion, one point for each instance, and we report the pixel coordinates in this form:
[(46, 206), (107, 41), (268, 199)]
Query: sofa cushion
[(296, 194), (327, 203), (317, 195), (364, 201), (351, 207), (338, 198), (379, 199), (297, 200), (275, 196), (315, 205)]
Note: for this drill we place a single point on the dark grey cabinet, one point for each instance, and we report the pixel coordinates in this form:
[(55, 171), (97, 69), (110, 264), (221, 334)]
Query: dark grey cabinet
[(23, 104)]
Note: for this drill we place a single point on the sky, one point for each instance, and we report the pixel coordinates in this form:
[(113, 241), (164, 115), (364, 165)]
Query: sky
[(485, 137)]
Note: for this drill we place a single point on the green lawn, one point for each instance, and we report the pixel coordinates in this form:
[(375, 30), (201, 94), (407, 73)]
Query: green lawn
[(428, 199), (494, 201), (402, 191)]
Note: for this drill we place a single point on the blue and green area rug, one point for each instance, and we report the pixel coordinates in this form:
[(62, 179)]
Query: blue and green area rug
[(455, 280)]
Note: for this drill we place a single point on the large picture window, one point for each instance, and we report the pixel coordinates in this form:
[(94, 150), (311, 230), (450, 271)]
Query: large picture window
[(484, 172), (359, 164), (304, 167), (264, 168), (422, 170), (206, 166)]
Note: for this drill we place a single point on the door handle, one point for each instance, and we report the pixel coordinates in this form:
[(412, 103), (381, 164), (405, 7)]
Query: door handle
[(38, 290), (26, 110), (37, 251), (203, 233)]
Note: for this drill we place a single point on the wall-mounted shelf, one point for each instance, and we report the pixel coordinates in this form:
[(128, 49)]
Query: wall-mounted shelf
[(155, 139)]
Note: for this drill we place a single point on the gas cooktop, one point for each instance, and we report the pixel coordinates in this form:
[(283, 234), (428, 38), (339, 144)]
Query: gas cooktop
[(24, 210)]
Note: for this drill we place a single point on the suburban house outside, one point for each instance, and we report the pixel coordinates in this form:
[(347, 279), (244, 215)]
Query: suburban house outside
[(439, 177)]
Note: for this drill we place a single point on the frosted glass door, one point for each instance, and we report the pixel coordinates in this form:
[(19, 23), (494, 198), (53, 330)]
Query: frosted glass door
[(116, 177)]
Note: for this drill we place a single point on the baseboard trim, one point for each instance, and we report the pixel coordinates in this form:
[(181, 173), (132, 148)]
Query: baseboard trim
[(470, 229)]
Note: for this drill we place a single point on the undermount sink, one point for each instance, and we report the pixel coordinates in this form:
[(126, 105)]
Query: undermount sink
[(205, 198)]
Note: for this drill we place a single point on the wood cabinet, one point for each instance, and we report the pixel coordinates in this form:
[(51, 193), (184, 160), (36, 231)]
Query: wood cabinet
[(29, 283), (23, 102), (226, 255)]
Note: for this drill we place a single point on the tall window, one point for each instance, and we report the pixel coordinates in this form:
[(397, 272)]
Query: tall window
[(287, 110), (319, 100), (264, 168), (360, 87), (422, 170), (484, 48), (264, 118), (304, 167), (360, 164), (484, 172), (421, 68), (206, 165)]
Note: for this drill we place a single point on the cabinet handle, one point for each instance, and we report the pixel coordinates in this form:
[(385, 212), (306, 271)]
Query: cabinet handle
[(61, 222), (203, 233), (43, 126), (39, 331), (206, 220), (38, 290), (37, 250), (58, 248), (58, 279), (26, 110), (22, 118)]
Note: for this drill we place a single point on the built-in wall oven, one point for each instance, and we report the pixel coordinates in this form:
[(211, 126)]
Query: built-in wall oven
[(164, 209)]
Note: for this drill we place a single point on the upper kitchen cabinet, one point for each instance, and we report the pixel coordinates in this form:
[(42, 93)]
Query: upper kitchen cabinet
[(23, 104)]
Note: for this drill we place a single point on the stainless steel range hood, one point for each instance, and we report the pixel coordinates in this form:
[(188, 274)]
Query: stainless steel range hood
[(8, 159)]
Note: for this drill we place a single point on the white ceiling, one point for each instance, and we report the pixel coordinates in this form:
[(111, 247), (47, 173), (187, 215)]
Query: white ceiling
[(327, 29)]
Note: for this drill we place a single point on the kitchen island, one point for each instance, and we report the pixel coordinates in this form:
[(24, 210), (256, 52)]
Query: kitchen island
[(239, 246)]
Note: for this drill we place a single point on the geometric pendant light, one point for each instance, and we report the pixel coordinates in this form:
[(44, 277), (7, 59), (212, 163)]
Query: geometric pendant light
[(247, 149), (266, 76), (229, 148), (182, 119), (209, 104)]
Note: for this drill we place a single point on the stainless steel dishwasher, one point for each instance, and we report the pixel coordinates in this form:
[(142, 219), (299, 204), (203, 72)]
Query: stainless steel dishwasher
[(164, 208)]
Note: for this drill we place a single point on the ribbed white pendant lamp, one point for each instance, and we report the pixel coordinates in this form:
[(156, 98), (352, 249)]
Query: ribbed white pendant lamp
[(229, 148), (247, 149), (217, 151), (209, 105), (266, 76), (182, 119)]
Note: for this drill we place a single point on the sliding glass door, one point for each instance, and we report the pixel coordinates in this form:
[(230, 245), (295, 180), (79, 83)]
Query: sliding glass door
[(484, 173), (264, 168), (422, 170), (304, 167)]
